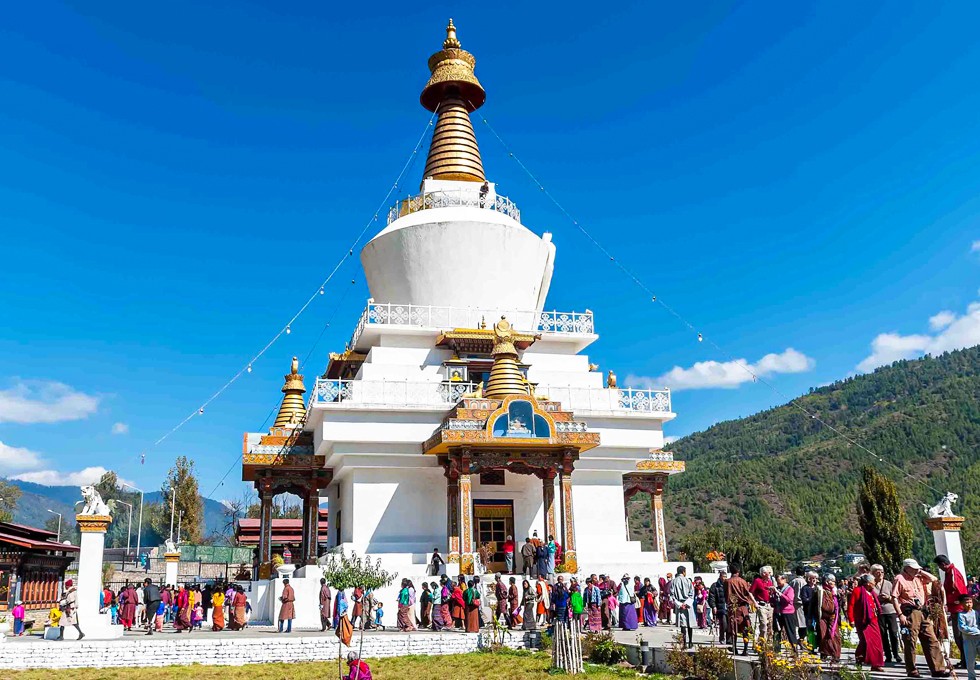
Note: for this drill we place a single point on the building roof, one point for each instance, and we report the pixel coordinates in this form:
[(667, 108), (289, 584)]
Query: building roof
[(283, 530), (32, 538)]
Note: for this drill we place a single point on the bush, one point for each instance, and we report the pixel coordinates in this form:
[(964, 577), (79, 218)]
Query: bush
[(602, 648)]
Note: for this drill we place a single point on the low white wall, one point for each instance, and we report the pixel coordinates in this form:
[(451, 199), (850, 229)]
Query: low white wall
[(229, 651)]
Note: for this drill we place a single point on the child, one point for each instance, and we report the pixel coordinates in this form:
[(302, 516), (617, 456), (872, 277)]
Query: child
[(160, 616), (54, 617), (970, 630), (197, 616), (378, 613), (18, 613)]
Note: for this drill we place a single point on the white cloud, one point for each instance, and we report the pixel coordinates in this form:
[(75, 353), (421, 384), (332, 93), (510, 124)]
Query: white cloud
[(670, 440), (16, 459), (950, 331), (40, 401), (120, 428), (89, 475), (727, 374), (939, 321)]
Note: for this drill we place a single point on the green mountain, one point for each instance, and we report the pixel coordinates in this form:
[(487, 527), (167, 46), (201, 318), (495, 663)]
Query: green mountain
[(782, 477)]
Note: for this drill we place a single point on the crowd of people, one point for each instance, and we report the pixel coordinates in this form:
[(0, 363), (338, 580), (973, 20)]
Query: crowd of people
[(889, 615)]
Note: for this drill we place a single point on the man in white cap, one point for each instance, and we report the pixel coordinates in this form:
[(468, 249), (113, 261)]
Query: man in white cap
[(910, 593)]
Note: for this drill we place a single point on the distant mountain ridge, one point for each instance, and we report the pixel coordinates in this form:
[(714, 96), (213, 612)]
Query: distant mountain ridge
[(782, 477), (36, 499)]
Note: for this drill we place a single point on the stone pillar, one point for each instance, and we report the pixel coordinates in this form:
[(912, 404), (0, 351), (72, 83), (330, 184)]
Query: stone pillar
[(465, 516), (171, 563), (548, 493), (567, 519), (946, 536), (95, 625), (452, 512)]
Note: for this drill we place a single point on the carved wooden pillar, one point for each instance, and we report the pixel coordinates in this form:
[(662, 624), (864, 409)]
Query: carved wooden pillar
[(659, 481), (311, 525), (465, 514), (567, 515), (548, 492), (452, 509), (265, 521)]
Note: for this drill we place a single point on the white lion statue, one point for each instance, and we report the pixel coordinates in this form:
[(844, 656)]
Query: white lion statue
[(943, 508), (92, 503)]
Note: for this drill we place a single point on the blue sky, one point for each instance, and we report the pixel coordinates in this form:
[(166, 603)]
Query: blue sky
[(175, 183)]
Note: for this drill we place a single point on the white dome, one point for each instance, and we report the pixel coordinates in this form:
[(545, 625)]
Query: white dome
[(465, 257)]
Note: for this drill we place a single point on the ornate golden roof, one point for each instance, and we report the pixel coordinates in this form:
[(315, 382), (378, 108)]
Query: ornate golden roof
[(454, 91), (506, 377), (293, 409)]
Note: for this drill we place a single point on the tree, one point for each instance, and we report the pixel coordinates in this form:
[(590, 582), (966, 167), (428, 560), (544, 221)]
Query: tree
[(188, 504), (747, 551), (887, 531), (9, 495)]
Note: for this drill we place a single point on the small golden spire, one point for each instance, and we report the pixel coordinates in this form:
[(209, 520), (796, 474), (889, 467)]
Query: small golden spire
[(451, 42), (293, 409), (454, 91), (506, 377)]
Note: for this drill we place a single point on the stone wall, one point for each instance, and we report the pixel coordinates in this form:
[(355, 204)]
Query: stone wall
[(233, 650)]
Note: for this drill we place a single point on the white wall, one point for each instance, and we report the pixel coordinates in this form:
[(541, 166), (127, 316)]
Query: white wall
[(401, 510)]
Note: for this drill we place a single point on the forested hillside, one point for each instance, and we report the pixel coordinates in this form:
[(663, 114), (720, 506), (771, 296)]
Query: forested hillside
[(782, 477)]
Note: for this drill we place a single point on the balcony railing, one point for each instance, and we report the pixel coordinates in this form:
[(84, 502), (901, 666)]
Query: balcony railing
[(408, 393), (390, 392), (453, 198), (428, 316)]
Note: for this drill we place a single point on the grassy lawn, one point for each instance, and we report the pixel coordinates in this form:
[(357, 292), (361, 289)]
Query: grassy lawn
[(476, 666)]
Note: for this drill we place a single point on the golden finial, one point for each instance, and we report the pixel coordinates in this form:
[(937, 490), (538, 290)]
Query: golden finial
[(506, 376), (454, 91), (451, 42), (293, 409)]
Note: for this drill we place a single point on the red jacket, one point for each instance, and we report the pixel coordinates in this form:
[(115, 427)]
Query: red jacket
[(954, 585)]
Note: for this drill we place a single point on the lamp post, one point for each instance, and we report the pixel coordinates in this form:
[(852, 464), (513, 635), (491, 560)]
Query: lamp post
[(173, 504), (59, 523), (129, 532), (180, 518), (139, 527)]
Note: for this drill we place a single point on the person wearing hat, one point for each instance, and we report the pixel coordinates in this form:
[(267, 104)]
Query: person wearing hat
[(69, 615), (910, 593)]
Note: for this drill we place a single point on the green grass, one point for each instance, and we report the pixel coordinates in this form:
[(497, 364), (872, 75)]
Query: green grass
[(479, 666)]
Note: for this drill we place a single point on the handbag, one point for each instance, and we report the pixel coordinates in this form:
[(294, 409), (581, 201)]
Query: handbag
[(345, 630)]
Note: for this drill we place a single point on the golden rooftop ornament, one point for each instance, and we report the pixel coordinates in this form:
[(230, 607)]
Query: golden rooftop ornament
[(293, 409), (506, 376), (454, 91)]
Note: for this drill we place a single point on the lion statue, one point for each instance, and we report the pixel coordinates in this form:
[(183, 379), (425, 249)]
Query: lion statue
[(943, 508), (92, 503)]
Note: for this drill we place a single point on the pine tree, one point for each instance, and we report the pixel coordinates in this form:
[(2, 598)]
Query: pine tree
[(887, 531), (188, 505)]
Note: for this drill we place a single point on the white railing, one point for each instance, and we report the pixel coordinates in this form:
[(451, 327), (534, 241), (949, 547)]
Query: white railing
[(608, 400), (408, 393), (453, 198), (428, 316), (394, 392)]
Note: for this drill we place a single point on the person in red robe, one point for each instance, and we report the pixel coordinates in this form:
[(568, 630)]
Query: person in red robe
[(182, 621), (866, 610), (127, 610), (457, 606)]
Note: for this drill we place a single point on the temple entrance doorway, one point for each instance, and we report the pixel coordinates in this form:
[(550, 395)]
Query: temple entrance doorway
[(493, 522)]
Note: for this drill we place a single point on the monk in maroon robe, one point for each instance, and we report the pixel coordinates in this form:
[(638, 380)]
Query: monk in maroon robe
[(867, 610)]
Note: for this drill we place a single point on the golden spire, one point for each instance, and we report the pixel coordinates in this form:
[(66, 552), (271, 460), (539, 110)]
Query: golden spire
[(293, 409), (505, 376), (454, 91)]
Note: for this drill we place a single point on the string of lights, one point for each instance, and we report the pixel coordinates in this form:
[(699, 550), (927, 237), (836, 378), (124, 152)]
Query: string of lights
[(319, 291), (653, 298), (275, 405)]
